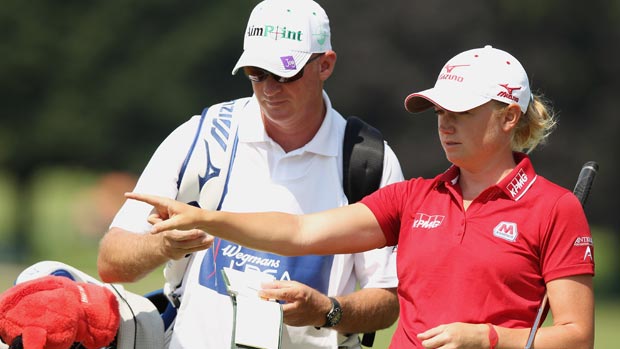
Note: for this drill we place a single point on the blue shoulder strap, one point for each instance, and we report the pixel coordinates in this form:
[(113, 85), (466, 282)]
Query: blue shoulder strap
[(191, 148), (204, 174)]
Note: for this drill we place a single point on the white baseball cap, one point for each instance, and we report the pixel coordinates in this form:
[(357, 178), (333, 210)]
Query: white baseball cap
[(281, 35), (473, 78)]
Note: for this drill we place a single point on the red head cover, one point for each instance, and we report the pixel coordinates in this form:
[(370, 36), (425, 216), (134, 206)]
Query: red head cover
[(53, 312)]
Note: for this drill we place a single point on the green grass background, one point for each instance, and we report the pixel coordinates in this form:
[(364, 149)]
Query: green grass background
[(64, 199)]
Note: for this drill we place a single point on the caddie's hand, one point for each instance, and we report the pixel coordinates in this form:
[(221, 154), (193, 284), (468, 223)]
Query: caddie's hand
[(457, 335), (176, 244), (169, 214), (304, 306)]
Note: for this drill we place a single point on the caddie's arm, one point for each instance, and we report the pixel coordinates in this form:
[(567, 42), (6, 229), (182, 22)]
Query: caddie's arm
[(125, 256), (367, 310)]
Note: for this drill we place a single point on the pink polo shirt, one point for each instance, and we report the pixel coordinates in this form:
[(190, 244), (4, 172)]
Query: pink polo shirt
[(487, 264)]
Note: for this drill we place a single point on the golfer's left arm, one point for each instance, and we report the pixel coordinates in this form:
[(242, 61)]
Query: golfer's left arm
[(571, 300)]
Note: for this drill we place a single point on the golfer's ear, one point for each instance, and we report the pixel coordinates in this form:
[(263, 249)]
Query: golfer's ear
[(511, 116), (327, 64)]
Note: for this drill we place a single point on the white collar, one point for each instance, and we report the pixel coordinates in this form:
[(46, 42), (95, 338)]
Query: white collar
[(324, 141)]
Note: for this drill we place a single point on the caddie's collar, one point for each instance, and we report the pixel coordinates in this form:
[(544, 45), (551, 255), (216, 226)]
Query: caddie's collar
[(324, 142)]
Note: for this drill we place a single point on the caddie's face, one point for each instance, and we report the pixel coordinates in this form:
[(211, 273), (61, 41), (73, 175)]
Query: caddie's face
[(474, 138), (280, 102)]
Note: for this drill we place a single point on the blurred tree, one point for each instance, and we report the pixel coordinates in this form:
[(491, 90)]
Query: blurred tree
[(100, 84)]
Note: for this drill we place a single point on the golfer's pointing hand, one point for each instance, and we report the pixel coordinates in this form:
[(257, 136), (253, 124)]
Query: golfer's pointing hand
[(169, 214)]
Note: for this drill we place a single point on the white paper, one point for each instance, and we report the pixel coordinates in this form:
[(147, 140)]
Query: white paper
[(258, 322)]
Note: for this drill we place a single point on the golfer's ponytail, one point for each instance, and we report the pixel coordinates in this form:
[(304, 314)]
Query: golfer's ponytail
[(534, 126)]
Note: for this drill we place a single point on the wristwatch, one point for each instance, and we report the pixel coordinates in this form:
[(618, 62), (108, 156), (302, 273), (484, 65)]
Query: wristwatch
[(334, 316)]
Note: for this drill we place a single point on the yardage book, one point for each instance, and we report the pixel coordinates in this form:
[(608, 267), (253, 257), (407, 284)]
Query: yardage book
[(257, 322)]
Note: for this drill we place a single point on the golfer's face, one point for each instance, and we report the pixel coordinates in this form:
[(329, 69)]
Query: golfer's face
[(473, 136)]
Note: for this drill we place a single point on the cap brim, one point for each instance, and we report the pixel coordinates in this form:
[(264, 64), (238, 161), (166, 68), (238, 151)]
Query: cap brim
[(451, 100), (273, 61)]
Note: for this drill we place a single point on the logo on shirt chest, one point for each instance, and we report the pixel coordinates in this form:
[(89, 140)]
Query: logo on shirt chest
[(506, 230), (426, 221)]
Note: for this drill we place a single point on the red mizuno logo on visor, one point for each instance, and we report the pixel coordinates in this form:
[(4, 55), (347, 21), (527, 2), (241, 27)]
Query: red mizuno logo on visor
[(450, 67), (508, 94)]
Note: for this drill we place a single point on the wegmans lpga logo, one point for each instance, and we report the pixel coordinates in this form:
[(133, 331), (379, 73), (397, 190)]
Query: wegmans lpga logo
[(240, 259), (311, 270)]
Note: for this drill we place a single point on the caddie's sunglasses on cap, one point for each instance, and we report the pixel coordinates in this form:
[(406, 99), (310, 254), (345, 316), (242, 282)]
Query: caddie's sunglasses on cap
[(256, 74)]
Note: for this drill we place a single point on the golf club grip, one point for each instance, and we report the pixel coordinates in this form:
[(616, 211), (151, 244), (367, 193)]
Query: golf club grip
[(581, 191), (584, 181)]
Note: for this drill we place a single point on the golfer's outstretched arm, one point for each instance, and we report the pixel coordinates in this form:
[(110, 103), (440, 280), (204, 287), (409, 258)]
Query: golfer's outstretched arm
[(347, 229)]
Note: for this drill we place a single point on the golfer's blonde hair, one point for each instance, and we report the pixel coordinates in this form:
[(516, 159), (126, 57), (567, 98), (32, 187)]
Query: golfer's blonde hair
[(534, 126)]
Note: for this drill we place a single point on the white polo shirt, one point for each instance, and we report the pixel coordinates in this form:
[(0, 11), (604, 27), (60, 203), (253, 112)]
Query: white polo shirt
[(265, 178)]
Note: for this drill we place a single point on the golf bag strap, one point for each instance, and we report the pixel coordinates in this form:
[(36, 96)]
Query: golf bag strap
[(363, 152), (362, 157), (203, 177)]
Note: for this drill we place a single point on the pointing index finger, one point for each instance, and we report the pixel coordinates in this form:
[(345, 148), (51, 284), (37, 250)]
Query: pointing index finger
[(149, 199)]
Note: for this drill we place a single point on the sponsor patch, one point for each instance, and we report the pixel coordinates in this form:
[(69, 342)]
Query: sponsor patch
[(588, 254), (507, 231), (311, 270), (288, 62), (426, 221), (583, 241), (517, 183)]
